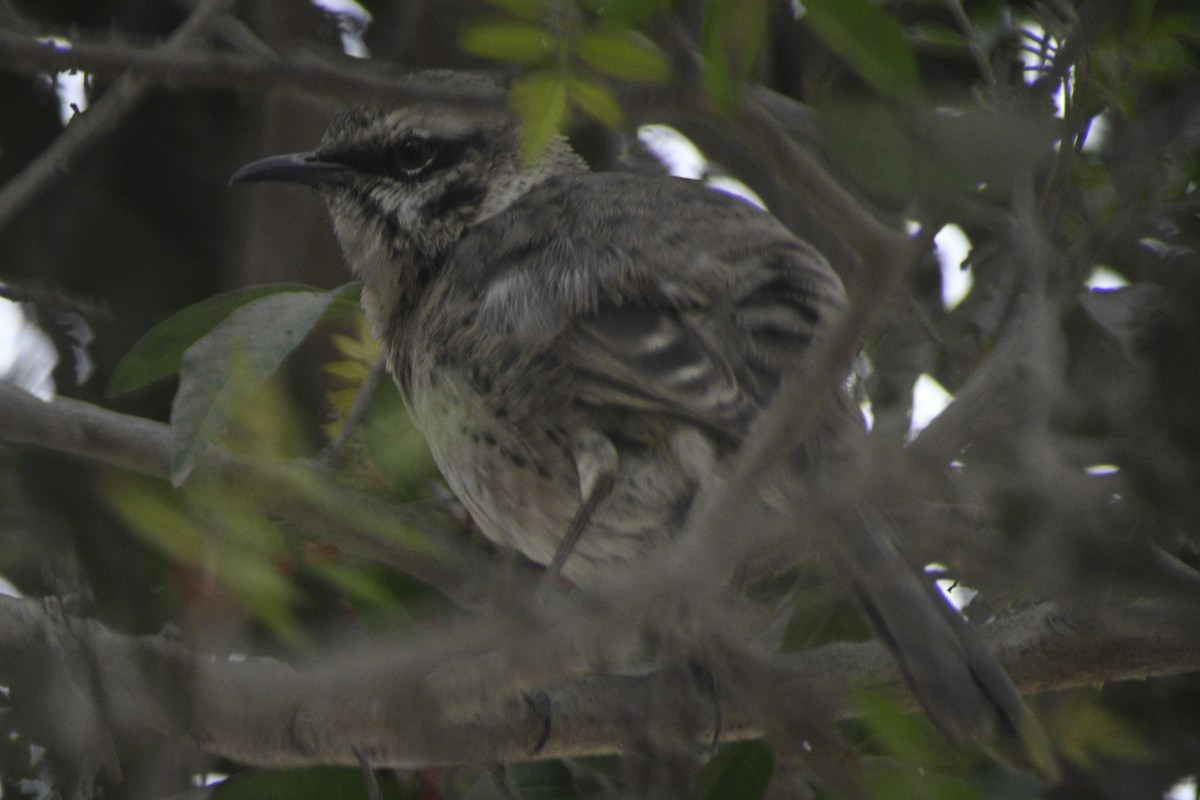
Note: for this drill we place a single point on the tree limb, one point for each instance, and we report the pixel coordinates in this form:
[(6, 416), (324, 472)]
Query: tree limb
[(412, 539), (407, 707), (55, 161), (208, 69)]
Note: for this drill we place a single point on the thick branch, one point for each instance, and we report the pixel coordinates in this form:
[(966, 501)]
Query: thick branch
[(408, 707), (206, 69), (413, 540)]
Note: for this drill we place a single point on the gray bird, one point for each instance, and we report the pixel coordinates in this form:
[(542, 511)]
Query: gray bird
[(583, 349)]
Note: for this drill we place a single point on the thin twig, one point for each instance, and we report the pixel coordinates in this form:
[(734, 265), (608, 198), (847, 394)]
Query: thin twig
[(973, 44), (253, 70), (85, 130)]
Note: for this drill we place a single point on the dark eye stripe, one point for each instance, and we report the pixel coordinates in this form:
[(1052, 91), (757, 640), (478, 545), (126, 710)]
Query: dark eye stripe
[(378, 158)]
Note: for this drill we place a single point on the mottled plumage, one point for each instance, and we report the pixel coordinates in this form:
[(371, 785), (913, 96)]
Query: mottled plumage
[(582, 350), (551, 327)]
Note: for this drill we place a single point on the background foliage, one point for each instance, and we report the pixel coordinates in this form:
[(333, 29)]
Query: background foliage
[(1059, 137)]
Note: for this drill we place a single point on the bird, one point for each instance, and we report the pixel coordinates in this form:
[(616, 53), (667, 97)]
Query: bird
[(582, 350)]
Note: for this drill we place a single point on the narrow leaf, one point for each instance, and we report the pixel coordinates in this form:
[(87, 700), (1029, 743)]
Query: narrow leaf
[(221, 370), (541, 100), (157, 354), (741, 769), (624, 54), (869, 41), (528, 10), (733, 35), (597, 100), (512, 42)]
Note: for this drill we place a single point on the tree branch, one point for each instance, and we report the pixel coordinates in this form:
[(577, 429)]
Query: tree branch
[(208, 69), (408, 707), (55, 161), (412, 539)]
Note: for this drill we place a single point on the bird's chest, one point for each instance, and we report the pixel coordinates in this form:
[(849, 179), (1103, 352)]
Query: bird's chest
[(500, 451)]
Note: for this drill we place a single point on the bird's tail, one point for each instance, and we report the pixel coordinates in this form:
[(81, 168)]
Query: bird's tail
[(958, 681)]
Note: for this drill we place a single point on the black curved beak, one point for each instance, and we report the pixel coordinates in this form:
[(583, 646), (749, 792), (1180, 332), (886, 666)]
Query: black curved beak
[(306, 168)]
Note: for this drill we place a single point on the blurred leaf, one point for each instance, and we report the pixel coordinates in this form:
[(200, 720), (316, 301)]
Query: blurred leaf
[(354, 371), (360, 351), (157, 354), (733, 35), (597, 100), (626, 13), (741, 770), (1183, 24), (910, 737), (541, 100), (360, 586), (341, 398), (1162, 57), (894, 154), (222, 369), (528, 10), (870, 144), (623, 53), (938, 39), (543, 780), (393, 442), (363, 346), (218, 531), (511, 42), (268, 424), (885, 779), (869, 41), (1084, 731)]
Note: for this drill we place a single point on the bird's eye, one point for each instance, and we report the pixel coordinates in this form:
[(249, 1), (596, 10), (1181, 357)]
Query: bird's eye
[(412, 154)]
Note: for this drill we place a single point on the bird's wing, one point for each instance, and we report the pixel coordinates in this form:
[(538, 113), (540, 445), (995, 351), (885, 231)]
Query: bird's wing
[(715, 356), (654, 296), (656, 360)]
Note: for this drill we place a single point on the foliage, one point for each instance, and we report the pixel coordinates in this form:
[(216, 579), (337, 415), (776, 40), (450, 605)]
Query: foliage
[(1060, 137), (568, 52)]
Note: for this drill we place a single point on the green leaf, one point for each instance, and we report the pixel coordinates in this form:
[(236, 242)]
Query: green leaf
[(157, 354), (886, 779), (741, 770), (358, 584), (1085, 732), (1161, 58), (733, 35), (222, 369), (511, 42), (626, 13), (527, 10), (1184, 24), (910, 737), (541, 100), (869, 41), (394, 443), (214, 530), (623, 53), (870, 142), (595, 99), (543, 780), (938, 39)]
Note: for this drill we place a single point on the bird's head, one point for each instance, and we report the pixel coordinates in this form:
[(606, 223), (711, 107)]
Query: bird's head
[(403, 185)]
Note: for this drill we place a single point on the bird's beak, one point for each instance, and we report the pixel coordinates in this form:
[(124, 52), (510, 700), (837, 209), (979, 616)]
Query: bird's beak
[(307, 168)]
